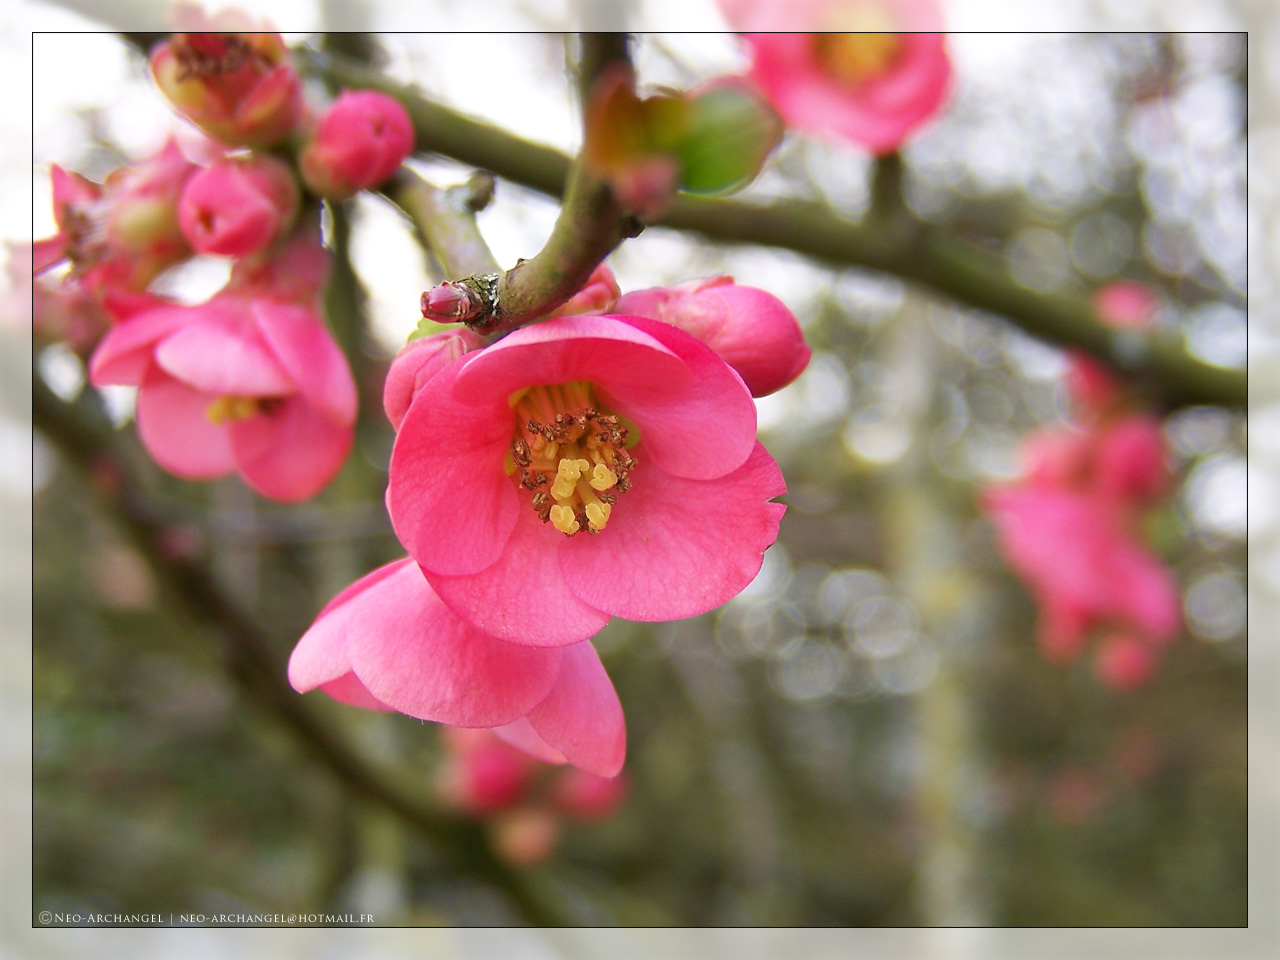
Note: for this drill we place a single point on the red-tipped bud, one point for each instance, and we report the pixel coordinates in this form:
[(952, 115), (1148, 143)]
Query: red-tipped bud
[(449, 303), (359, 142), (239, 207)]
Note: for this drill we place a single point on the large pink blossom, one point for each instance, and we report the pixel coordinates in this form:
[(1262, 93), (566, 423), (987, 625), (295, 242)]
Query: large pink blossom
[(388, 642), (242, 383), (581, 468), (873, 86), (751, 330)]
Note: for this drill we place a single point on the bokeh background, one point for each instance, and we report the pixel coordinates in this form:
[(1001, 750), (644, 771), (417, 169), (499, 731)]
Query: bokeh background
[(867, 736)]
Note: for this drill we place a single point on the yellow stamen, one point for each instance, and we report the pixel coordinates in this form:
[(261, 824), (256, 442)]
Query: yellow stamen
[(602, 478), (598, 515), (562, 519)]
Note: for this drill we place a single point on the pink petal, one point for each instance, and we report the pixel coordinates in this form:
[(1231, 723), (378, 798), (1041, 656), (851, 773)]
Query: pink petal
[(349, 690), (451, 503), (174, 426), (125, 352), (581, 716), (521, 735), (310, 357), (703, 433), (320, 657), (627, 363), (419, 361), (523, 597), (45, 253), (292, 452), (675, 547), (220, 351), (413, 655)]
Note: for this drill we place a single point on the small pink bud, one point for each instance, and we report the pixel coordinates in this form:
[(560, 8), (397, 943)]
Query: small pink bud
[(483, 773), (526, 837), (1125, 304), (418, 362), (1125, 662), (588, 797), (751, 330), (239, 206), (598, 294), (359, 142), (450, 302)]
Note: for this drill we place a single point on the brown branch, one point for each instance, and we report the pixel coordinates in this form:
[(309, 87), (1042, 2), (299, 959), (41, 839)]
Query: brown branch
[(927, 255), (85, 437)]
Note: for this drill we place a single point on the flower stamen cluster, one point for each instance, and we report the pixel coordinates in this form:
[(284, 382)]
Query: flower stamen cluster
[(573, 460)]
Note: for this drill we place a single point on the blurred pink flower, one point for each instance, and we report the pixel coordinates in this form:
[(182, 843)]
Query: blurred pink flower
[(359, 142), (123, 232), (1126, 661), (1121, 305), (387, 642), (238, 384), (873, 86), (588, 797), (239, 206), (240, 88), (581, 468), (750, 329), (482, 773)]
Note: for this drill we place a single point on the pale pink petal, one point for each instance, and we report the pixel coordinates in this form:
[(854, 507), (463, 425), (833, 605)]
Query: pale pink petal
[(704, 432), (523, 597), (126, 351), (303, 346), (419, 361), (1143, 591), (349, 690), (45, 253), (521, 735), (675, 547), (221, 352), (450, 501), (320, 657), (619, 357), (174, 426), (581, 716), (290, 453), (414, 655)]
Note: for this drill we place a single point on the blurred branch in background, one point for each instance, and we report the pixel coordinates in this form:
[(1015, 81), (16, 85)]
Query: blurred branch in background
[(84, 435), (927, 255)]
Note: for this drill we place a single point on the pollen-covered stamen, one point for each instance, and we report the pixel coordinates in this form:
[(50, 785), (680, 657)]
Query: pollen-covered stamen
[(229, 409), (211, 54), (570, 455)]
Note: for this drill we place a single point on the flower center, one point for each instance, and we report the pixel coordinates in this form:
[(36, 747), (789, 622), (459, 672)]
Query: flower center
[(856, 57), (227, 409), (570, 455), (205, 55)]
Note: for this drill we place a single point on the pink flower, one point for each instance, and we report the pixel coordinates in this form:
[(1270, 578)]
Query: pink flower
[(359, 142), (598, 294), (239, 206), (237, 384), (751, 330), (123, 232), (1130, 461), (873, 88), (483, 773), (388, 642), (588, 797), (581, 468), (239, 88)]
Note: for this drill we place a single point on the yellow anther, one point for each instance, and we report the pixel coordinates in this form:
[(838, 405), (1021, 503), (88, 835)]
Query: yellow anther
[(231, 408), (562, 519), (602, 478), (598, 515)]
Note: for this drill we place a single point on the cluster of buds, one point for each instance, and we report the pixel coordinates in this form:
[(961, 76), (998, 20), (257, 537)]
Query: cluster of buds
[(250, 381), (524, 800), (1071, 527)]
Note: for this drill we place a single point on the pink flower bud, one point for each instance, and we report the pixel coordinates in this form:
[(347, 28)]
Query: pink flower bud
[(239, 206), (598, 294), (526, 837), (448, 302), (239, 88), (1125, 661), (1125, 304), (360, 142), (483, 774), (589, 797), (293, 272), (751, 330), (418, 362)]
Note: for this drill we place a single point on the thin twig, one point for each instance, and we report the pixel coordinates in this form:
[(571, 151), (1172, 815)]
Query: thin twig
[(928, 256)]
